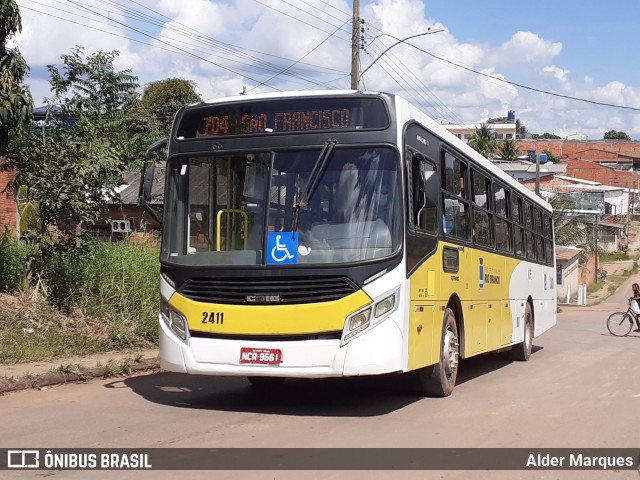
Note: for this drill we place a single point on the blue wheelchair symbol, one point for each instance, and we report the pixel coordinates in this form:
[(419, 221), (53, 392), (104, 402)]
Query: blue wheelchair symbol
[(282, 248)]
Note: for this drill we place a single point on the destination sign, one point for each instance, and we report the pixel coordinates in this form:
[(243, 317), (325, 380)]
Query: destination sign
[(282, 116)]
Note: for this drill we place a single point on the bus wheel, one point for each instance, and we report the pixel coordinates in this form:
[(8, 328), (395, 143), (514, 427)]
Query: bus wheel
[(265, 383), (438, 380), (522, 351)]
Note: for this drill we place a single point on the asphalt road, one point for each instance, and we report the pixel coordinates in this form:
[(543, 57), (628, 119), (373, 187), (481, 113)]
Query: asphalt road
[(580, 389)]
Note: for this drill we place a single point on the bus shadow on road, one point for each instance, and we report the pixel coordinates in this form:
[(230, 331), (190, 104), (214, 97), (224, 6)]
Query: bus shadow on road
[(366, 396)]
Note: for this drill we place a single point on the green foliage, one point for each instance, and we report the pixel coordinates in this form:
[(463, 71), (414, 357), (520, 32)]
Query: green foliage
[(120, 286), (16, 104), (498, 120), (100, 299), (74, 167), (614, 256), (13, 255), (508, 150), (573, 230), (521, 130), (91, 87), (615, 135), (546, 136), (61, 266), (483, 140), (68, 181), (551, 157), (161, 100)]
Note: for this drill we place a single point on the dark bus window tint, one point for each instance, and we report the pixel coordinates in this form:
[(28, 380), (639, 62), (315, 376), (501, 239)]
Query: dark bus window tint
[(456, 215), (540, 249), (503, 235), (518, 236), (531, 245), (538, 221), (549, 248), (424, 194), (502, 199), (516, 209), (481, 188), (453, 175), (482, 228), (528, 216), (548, 231)]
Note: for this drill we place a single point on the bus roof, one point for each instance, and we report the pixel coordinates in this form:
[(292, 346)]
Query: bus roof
[(436, 128)]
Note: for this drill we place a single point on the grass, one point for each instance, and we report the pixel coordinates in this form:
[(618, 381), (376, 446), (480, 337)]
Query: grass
[(614, 256), (105, 300), (594, 287)]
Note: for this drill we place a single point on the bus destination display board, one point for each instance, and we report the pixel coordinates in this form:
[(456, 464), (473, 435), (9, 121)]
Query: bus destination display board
[(283, 116)]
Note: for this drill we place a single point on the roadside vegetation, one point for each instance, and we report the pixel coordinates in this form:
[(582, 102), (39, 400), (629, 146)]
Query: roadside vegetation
[(103, 298), (61, 293)]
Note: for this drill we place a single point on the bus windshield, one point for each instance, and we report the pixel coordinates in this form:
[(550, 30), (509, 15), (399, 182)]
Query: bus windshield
[(245, 209)]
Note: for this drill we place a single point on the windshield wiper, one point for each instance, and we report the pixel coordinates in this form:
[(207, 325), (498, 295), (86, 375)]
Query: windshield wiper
[(302, 200)]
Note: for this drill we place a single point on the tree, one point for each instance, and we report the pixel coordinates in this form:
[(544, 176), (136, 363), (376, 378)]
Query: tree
[(483, 140), (161, 100), (551, 157), (546, 136), (498, 120), (16, 104), (508, 150), (571, 229), (72, 169), (615, 135), (521, 130)]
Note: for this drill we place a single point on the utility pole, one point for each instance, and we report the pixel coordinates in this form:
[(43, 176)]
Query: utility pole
[(355, 45)]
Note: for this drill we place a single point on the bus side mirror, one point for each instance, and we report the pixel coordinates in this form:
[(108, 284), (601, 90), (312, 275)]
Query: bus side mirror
[(147, 178), (148, 175)]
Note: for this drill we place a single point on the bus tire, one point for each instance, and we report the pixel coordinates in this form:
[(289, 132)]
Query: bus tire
[(522, 351), (265, 383), (438, 380)]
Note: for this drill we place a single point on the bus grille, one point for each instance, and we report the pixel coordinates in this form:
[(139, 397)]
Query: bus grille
[(283, 291)]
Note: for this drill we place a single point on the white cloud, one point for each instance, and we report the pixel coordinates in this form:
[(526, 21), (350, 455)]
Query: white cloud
[(526, 49), (274, 36)]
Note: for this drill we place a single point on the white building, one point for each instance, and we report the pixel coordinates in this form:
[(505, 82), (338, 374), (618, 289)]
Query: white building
[(464, 131), (523, 170)]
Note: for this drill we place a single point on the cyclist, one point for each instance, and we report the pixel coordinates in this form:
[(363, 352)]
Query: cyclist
[(635, 304)]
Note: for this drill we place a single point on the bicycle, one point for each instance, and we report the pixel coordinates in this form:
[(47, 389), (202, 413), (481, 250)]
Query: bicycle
[(621, 323)]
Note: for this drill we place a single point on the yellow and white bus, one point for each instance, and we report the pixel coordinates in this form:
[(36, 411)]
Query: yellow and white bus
[(340, 233)]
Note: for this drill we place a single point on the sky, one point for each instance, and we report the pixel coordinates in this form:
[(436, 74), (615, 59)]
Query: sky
[(563, 66)]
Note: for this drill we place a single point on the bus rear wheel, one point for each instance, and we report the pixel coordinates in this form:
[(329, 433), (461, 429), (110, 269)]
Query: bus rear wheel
[(438, 380), (522, 351)]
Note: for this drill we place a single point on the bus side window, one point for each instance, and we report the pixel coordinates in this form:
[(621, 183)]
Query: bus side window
[(456, 208), (424, 195)]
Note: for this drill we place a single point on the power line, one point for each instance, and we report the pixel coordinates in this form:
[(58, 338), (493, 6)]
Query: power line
[(128, 13), (297, 19), (519, 85), (302, 58), (162, 41)]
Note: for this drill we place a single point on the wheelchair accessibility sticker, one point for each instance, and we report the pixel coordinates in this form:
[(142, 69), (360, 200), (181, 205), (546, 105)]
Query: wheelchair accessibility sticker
[(282, 248)]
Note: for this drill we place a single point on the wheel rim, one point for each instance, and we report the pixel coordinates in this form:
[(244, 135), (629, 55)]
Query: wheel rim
[(450, 352), (527, 334)]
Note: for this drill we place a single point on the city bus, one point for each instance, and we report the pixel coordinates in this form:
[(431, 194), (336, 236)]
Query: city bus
[(341, 233)]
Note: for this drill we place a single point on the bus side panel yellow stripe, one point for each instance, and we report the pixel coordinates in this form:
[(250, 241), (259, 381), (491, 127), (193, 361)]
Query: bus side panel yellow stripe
[(249, 319), (486, 314)]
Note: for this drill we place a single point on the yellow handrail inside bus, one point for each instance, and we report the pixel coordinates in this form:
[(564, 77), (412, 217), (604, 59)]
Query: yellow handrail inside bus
[(219, 225)]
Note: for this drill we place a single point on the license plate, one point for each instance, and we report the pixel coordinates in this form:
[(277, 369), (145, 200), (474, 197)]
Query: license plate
[(261, 356)]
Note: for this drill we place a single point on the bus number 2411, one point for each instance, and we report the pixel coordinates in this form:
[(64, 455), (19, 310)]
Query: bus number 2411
[(215, 318)]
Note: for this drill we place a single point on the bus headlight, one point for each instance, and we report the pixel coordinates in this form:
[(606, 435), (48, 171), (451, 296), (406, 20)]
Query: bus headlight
[(359, 320), (174, 320), (369, 317), (385, 306)]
